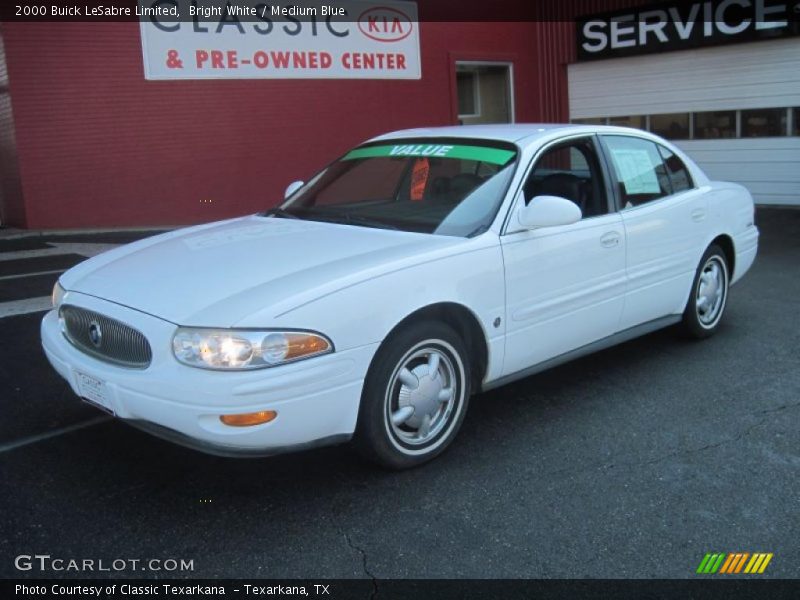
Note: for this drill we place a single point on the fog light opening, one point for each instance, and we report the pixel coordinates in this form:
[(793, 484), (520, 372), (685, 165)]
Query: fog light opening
[(249, 419)]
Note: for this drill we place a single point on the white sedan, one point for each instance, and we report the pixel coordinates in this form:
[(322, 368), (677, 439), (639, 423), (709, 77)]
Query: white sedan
[(419, 268)]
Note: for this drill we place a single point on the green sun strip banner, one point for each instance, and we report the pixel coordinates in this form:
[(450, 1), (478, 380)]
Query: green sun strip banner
[(496, 156)]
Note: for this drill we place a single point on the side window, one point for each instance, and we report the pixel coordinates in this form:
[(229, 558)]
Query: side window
[(641, 174), (570, 170), (678, 173)]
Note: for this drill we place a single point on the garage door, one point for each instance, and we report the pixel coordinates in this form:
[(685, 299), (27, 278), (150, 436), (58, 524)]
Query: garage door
[(735, 109)]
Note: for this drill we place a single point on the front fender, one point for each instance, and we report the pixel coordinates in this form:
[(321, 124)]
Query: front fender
[(366, 312)]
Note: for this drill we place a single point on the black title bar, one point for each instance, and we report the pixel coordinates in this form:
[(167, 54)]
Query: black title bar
[(705, 588)]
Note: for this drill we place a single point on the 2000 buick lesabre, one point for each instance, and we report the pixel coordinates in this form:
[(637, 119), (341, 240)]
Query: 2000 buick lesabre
[(419, 268)]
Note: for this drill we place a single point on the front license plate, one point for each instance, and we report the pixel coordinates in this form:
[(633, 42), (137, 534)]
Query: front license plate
[(94, 391)]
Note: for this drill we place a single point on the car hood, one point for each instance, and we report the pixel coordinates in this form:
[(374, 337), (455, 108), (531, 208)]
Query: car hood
[(217, 274)]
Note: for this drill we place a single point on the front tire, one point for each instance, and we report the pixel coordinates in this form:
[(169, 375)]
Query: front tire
[(709, 295), (415, 396)]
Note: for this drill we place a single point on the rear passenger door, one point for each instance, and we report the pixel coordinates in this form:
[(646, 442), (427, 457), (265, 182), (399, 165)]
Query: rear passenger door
[(664, 217)]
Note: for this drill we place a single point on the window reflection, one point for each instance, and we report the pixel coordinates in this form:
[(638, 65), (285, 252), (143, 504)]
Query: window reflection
[(672, 126), (715, 125)]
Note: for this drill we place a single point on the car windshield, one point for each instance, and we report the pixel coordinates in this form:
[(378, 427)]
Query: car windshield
[(439, 186)]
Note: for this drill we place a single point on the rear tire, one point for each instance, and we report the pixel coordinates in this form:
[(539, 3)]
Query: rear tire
[(709, 295), (415, 396)]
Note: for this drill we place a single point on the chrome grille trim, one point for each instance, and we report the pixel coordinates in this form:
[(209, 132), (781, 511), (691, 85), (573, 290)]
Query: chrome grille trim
[(120, 344)]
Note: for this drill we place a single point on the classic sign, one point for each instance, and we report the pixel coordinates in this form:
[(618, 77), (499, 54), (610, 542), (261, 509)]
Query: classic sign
[(253, 40)]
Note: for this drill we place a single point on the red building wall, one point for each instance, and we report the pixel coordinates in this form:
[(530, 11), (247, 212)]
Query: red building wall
[(99, 146), (12, 207)]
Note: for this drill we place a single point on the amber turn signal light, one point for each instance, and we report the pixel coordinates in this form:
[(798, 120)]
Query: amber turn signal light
[(249, 419)]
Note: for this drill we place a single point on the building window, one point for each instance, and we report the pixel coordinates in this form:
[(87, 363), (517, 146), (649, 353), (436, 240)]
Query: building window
[(639, 121), (745, 123), (468, 101), (591, 121), (764, 122), (671, 127), (715, 125), (485, 92)]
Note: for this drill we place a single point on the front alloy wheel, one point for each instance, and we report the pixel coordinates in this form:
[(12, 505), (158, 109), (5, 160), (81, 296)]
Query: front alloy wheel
[(415, 396)]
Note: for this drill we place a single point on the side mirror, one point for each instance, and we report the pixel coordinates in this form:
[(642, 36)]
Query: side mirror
[(548, 211), (292, 188)]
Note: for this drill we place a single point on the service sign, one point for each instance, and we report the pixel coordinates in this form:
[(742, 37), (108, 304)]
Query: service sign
[(682, 24), (341, 39)]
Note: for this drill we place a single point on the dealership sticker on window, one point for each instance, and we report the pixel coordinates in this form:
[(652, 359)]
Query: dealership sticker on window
[(496, 156), (636, 171), (419, 178)]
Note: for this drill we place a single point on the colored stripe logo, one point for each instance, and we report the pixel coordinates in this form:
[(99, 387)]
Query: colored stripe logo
[(488, 154), (734, 562)]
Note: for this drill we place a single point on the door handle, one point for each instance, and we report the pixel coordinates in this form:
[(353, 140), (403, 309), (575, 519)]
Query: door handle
[(610, 239), (698, 214)]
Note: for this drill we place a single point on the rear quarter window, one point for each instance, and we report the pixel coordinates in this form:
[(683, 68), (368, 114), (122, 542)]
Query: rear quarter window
[(677, 171)]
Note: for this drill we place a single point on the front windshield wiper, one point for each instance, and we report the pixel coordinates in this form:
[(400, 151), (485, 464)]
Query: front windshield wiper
[(349, 219), (279, 212)]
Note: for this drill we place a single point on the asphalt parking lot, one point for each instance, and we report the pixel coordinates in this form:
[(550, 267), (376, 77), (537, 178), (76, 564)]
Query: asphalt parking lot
[(633, 462)]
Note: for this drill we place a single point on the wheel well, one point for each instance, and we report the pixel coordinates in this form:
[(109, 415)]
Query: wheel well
[(465, 324), (726, 243)]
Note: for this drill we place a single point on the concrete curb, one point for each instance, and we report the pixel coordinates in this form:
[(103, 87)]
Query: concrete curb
[(14, 233)]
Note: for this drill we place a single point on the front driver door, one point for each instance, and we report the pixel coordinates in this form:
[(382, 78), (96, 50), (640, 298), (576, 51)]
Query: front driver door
[(565, 285)]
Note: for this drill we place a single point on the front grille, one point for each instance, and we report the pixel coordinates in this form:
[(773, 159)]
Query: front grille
[(105, 338)]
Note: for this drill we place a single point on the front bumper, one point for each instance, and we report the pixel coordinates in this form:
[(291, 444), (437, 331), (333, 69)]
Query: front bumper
[(227, 450), (316, 400)]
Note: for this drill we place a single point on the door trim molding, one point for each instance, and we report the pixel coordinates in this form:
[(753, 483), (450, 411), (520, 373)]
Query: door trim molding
[(601, 344)]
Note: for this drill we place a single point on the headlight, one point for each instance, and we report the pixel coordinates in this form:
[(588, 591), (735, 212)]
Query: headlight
[(244, 349), (57, 295)]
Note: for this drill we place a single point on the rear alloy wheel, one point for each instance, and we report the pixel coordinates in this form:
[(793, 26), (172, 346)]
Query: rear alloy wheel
[(415, 396), (709, 294)]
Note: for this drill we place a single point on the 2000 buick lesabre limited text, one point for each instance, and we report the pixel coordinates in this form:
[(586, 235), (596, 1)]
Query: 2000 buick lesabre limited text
[(419, 268)]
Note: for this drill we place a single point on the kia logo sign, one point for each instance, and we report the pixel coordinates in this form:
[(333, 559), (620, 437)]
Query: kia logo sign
[(384, 24)]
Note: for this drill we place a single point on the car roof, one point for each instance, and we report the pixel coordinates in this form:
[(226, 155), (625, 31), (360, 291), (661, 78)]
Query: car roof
[(519, 133)]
